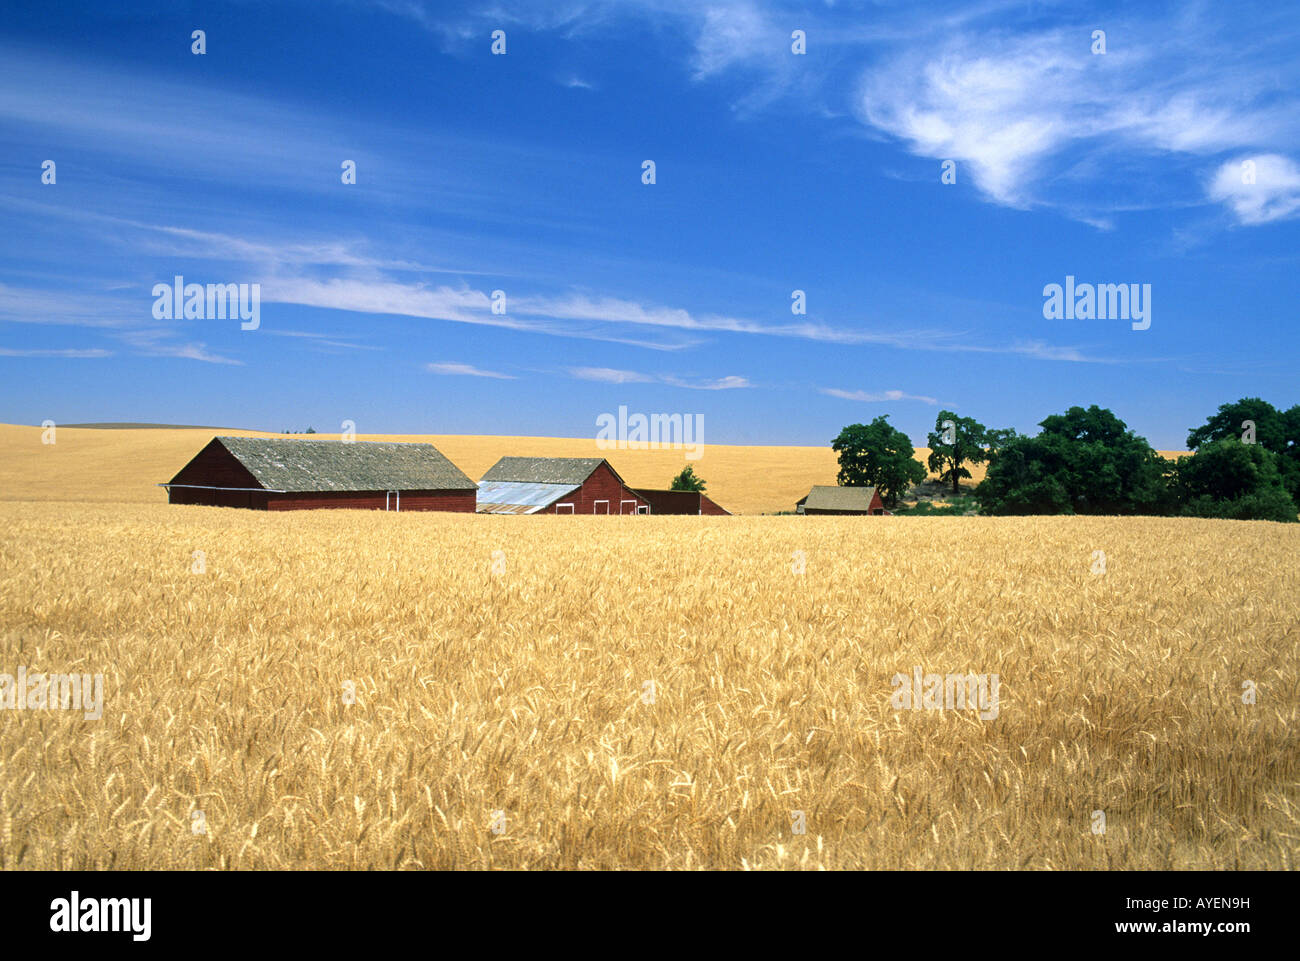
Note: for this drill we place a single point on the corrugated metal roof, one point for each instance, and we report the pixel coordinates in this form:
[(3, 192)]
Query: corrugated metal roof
[(508, 497), (543, 470), (331, 465), (839, 498)]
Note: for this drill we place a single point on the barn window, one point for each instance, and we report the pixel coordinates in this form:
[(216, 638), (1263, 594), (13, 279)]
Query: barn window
[(595, 507), (393, 501), (643, 509), (623, 508), (561, 508)]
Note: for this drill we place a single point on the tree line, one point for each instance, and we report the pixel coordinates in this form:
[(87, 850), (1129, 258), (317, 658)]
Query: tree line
[(1244, 464)]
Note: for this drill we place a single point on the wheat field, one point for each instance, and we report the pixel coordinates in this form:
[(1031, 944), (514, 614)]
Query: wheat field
[(345, 689), (125, 466)]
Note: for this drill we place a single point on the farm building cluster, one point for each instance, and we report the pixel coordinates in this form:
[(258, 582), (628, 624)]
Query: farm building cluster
[(277, 474)]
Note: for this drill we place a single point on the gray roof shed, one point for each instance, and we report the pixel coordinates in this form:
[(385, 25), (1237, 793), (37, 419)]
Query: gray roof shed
[(838, 499)]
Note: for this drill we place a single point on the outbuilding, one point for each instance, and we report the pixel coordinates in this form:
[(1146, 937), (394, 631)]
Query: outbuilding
[(841, 500), (680, 502), (556, 485), (265, 473)]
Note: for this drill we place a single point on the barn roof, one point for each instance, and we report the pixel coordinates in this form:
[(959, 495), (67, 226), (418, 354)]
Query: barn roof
[(838, 498), (331, 465), (509, 497), (544, 470)]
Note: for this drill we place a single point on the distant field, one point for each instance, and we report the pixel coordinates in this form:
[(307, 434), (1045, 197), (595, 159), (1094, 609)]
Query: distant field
[(523, 690), (123, 466)]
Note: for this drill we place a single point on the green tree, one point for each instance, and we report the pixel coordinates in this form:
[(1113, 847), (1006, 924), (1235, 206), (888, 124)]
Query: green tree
[(1274, 430), (878, 455), (969, 445), (1226, 478), (688, 480), (1082, 462)]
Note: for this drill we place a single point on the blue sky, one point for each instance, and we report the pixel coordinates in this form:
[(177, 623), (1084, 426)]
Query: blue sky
[(523, 173)]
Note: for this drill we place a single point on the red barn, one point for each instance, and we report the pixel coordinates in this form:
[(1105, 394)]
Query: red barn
[(281, 475), (680, 502), (556, 485)]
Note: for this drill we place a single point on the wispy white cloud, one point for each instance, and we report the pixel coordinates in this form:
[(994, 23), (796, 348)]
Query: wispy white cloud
[(610, 375), (125, 111), (732, 32), (26, 305), (323, 340), (1272, 193), (462, 304), (875, 397), (191, 351), (731, 382), (159, 343), (218, 246), (467, 370), (573, 316), (72, 352), (604, 319), (1015, 110)]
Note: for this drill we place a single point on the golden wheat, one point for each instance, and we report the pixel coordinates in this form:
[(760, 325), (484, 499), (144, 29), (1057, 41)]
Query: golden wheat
[(125, 466), (517, 699)]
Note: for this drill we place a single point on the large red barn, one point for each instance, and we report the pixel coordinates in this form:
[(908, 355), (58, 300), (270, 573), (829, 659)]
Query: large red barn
[(556, 485), (276, 474)]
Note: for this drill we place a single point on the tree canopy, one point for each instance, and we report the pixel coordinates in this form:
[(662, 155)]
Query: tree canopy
[(970, 443), (1085, 461), (877, 455), (688, 480), (1274, 430), (1226, 478)]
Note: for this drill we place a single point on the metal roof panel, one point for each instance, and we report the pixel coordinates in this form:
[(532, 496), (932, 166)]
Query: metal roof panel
[(509, 497)]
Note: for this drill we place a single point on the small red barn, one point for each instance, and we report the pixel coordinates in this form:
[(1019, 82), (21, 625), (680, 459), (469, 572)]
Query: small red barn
[(841, 500), (680, 502), (276, 474), (556, 485)]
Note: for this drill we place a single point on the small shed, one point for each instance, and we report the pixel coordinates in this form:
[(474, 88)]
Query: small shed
[(680, 502), (841, 500), (266, 473), (556, 485)]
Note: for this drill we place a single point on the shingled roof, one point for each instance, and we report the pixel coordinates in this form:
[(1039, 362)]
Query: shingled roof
[(543, 470), (838, 498), (331, 465)]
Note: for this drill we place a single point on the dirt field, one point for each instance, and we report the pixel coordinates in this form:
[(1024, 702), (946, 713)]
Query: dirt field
[(343, 689)]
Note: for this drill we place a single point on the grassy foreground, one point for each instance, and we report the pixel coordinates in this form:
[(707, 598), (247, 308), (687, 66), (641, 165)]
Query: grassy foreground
[(515, 682)]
